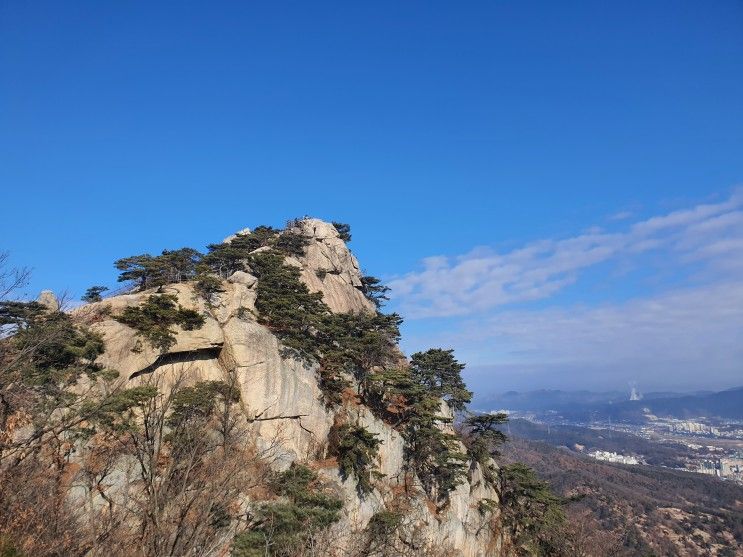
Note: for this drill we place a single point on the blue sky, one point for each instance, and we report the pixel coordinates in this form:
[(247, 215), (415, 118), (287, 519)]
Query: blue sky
[(467, 132)]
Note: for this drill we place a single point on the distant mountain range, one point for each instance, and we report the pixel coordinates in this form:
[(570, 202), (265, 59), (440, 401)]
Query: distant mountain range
[(616, 405)]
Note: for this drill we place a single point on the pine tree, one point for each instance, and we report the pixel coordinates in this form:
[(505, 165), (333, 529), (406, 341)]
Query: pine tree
[(344, 231), (439, 371), (374, 290), (93, 294)]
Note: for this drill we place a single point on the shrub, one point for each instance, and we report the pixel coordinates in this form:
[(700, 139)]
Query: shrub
[(287, 528), (356, 449), (291, 243), (207, 284), (383, 524), (153, 319), (191, 410), (115, 412)]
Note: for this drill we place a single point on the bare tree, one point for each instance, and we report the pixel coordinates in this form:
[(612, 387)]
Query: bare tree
[(11, 278)]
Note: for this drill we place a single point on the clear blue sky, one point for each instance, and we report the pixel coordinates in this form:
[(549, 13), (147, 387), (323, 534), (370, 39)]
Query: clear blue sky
[(432, 127)]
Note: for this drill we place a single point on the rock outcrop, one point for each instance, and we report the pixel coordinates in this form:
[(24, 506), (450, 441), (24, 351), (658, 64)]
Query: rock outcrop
[(232, 341), (329, 267), (49, 300)]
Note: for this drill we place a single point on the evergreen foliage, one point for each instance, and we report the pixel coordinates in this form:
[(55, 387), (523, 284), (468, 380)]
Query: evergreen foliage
[(398, 397), (193, 404), (116, 412), (484, 435), (61, 350), (291, 243), (228, 257), (356, 449), (374, 290), (384, 524), (340, 343), (357, 342), (344, 231), (147, 271), (20, 315), (285, 304), (529, 509), (287, 528), (483, 439), (438, 370), (207, 284), (191, 409), (153, 319), (435, 455), (93, 294)]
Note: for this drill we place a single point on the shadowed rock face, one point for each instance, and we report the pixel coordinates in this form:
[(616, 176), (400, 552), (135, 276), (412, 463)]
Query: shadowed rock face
[(272, 385)]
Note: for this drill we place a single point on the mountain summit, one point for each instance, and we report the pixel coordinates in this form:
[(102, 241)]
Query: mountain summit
[(254, 400)]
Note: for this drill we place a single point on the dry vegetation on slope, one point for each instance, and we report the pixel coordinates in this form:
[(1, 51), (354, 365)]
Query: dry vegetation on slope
[(640, 510)]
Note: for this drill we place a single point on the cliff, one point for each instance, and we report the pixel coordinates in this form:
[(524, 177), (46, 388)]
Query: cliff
[(282, 402)]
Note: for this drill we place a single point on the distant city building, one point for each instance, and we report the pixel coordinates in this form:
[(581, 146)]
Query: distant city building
[(731, 467), (608, 456), (693, 428), (708, 467)]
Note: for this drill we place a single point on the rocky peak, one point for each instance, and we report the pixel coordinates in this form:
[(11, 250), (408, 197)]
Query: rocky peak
[(328, 266), (49, 300), (233, 343)]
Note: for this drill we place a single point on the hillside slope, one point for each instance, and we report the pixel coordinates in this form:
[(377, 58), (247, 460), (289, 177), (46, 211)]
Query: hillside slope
[(641, 510)]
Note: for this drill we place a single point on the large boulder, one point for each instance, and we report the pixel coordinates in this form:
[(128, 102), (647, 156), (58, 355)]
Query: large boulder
[(49, 300)]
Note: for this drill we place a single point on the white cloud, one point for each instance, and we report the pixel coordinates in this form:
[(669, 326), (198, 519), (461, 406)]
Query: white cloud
[(701, 324), (687, 338), (483, 279), (685, 330)]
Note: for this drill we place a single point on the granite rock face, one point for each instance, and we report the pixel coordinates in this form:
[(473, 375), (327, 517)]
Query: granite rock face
[(328, 266), (49, 300), (273, 384)]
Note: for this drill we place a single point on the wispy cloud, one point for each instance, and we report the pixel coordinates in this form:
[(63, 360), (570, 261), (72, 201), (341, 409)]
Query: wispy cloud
[(484, 279), (687, 338), (682, 327)]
